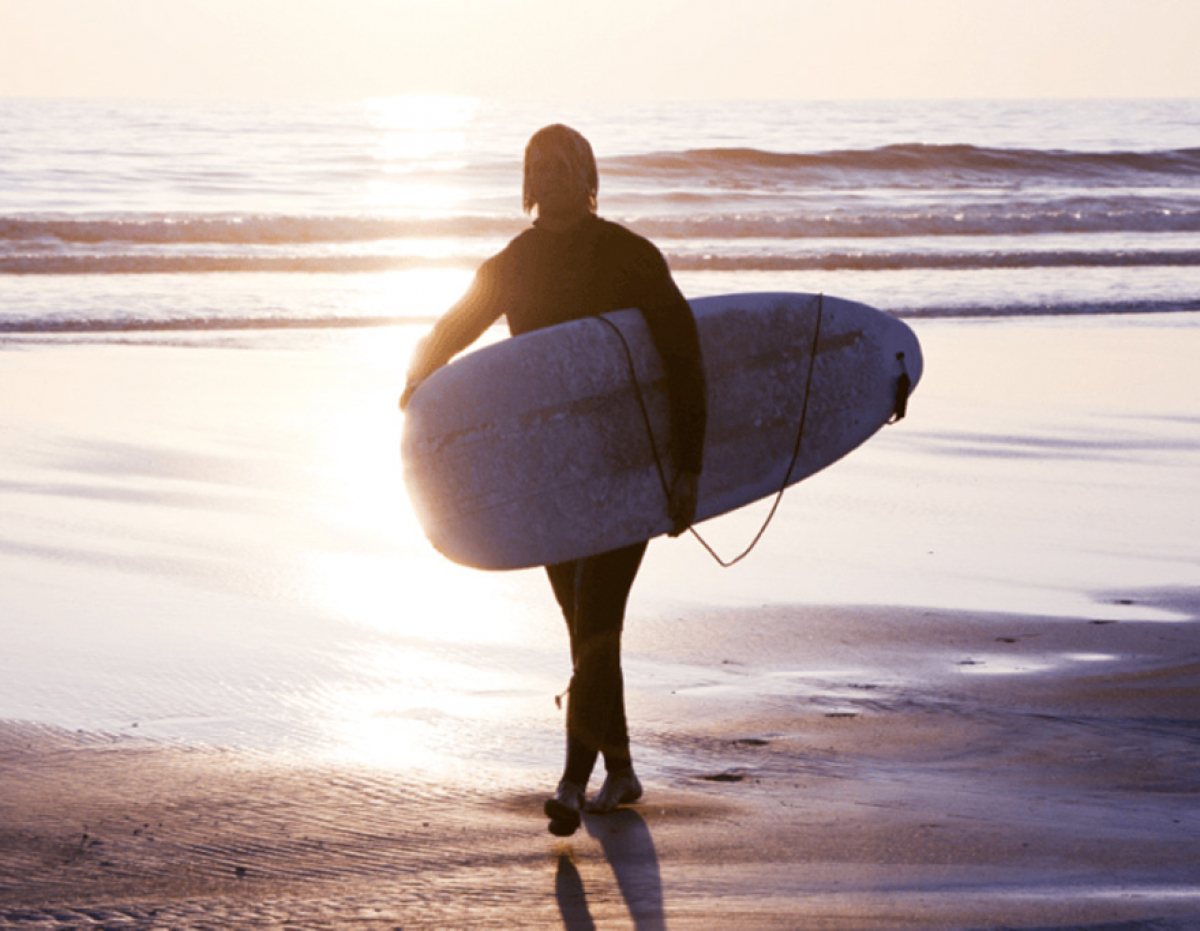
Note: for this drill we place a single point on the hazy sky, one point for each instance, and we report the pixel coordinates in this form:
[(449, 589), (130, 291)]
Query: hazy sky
[(664, 49)]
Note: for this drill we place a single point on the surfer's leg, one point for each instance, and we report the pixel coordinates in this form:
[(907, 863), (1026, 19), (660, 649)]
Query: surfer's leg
[(621, 787), (592, 594), (562, 581), (596, 705), (565, 807)]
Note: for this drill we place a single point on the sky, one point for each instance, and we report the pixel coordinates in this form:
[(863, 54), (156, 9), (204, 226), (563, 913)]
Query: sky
[(600, 49)]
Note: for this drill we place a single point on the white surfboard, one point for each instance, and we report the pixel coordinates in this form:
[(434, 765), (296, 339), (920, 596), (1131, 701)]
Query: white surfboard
[(536, 450)]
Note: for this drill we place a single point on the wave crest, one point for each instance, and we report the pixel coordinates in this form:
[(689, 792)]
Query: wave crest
[(924, 165)]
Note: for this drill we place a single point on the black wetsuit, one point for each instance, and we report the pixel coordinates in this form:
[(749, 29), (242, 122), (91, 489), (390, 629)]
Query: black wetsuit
[(543, 278)]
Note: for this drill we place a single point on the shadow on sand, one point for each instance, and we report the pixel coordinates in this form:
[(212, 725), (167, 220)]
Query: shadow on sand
[(629, 849)]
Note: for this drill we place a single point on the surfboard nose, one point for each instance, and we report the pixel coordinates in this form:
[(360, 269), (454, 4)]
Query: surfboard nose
[(910, 355)]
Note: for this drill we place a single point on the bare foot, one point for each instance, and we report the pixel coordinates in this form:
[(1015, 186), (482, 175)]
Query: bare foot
[(620, 788)]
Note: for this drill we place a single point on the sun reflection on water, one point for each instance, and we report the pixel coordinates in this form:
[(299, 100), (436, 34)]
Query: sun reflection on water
[(428, 658), (413, 708), (435, 657), (421, 126), (419, 145), (428, 599), (418, 293)]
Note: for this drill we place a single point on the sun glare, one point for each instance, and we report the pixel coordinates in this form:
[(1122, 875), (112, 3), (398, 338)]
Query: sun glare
[(422, 127), (423, 111), (387, 575), (422, 670), (406, 707), (420, 294), (419, 146)]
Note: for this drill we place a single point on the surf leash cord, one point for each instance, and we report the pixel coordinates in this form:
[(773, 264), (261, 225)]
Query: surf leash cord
[(796, 449)]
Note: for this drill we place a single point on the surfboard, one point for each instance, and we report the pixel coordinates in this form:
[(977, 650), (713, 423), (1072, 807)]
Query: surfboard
[(538, 449)]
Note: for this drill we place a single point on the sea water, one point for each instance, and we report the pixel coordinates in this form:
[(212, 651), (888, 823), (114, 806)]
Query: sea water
[(134, 215)]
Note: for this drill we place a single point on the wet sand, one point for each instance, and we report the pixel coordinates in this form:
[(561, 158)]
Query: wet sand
[(960, 803), (969, 703)]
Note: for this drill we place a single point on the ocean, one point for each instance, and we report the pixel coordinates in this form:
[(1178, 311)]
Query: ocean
[(128, 216)]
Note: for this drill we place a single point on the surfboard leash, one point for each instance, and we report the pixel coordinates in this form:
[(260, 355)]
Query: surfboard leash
[(658, 463), (637, 390)]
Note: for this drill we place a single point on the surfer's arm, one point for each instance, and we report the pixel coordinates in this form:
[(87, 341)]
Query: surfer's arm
[(673, 330), (461, 325)]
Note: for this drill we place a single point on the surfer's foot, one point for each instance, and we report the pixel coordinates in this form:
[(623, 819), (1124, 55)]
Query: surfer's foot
[(620, 788), (565, 809)]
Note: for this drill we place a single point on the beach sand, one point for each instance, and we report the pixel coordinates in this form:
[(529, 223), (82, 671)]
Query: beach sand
[(957, 686)]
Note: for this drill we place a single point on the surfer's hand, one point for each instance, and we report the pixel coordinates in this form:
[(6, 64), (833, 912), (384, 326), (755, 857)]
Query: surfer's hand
[(682, 506)]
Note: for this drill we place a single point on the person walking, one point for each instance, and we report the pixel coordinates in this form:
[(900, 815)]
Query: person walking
[(571, 264)]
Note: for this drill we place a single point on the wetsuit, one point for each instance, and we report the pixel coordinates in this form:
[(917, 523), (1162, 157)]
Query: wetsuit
[(540, 279)]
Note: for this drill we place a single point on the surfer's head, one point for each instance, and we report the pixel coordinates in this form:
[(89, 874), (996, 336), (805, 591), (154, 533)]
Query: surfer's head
[(560, 171)]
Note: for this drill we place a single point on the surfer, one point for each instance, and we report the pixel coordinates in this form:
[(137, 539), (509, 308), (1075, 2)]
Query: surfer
[(568, 265)]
